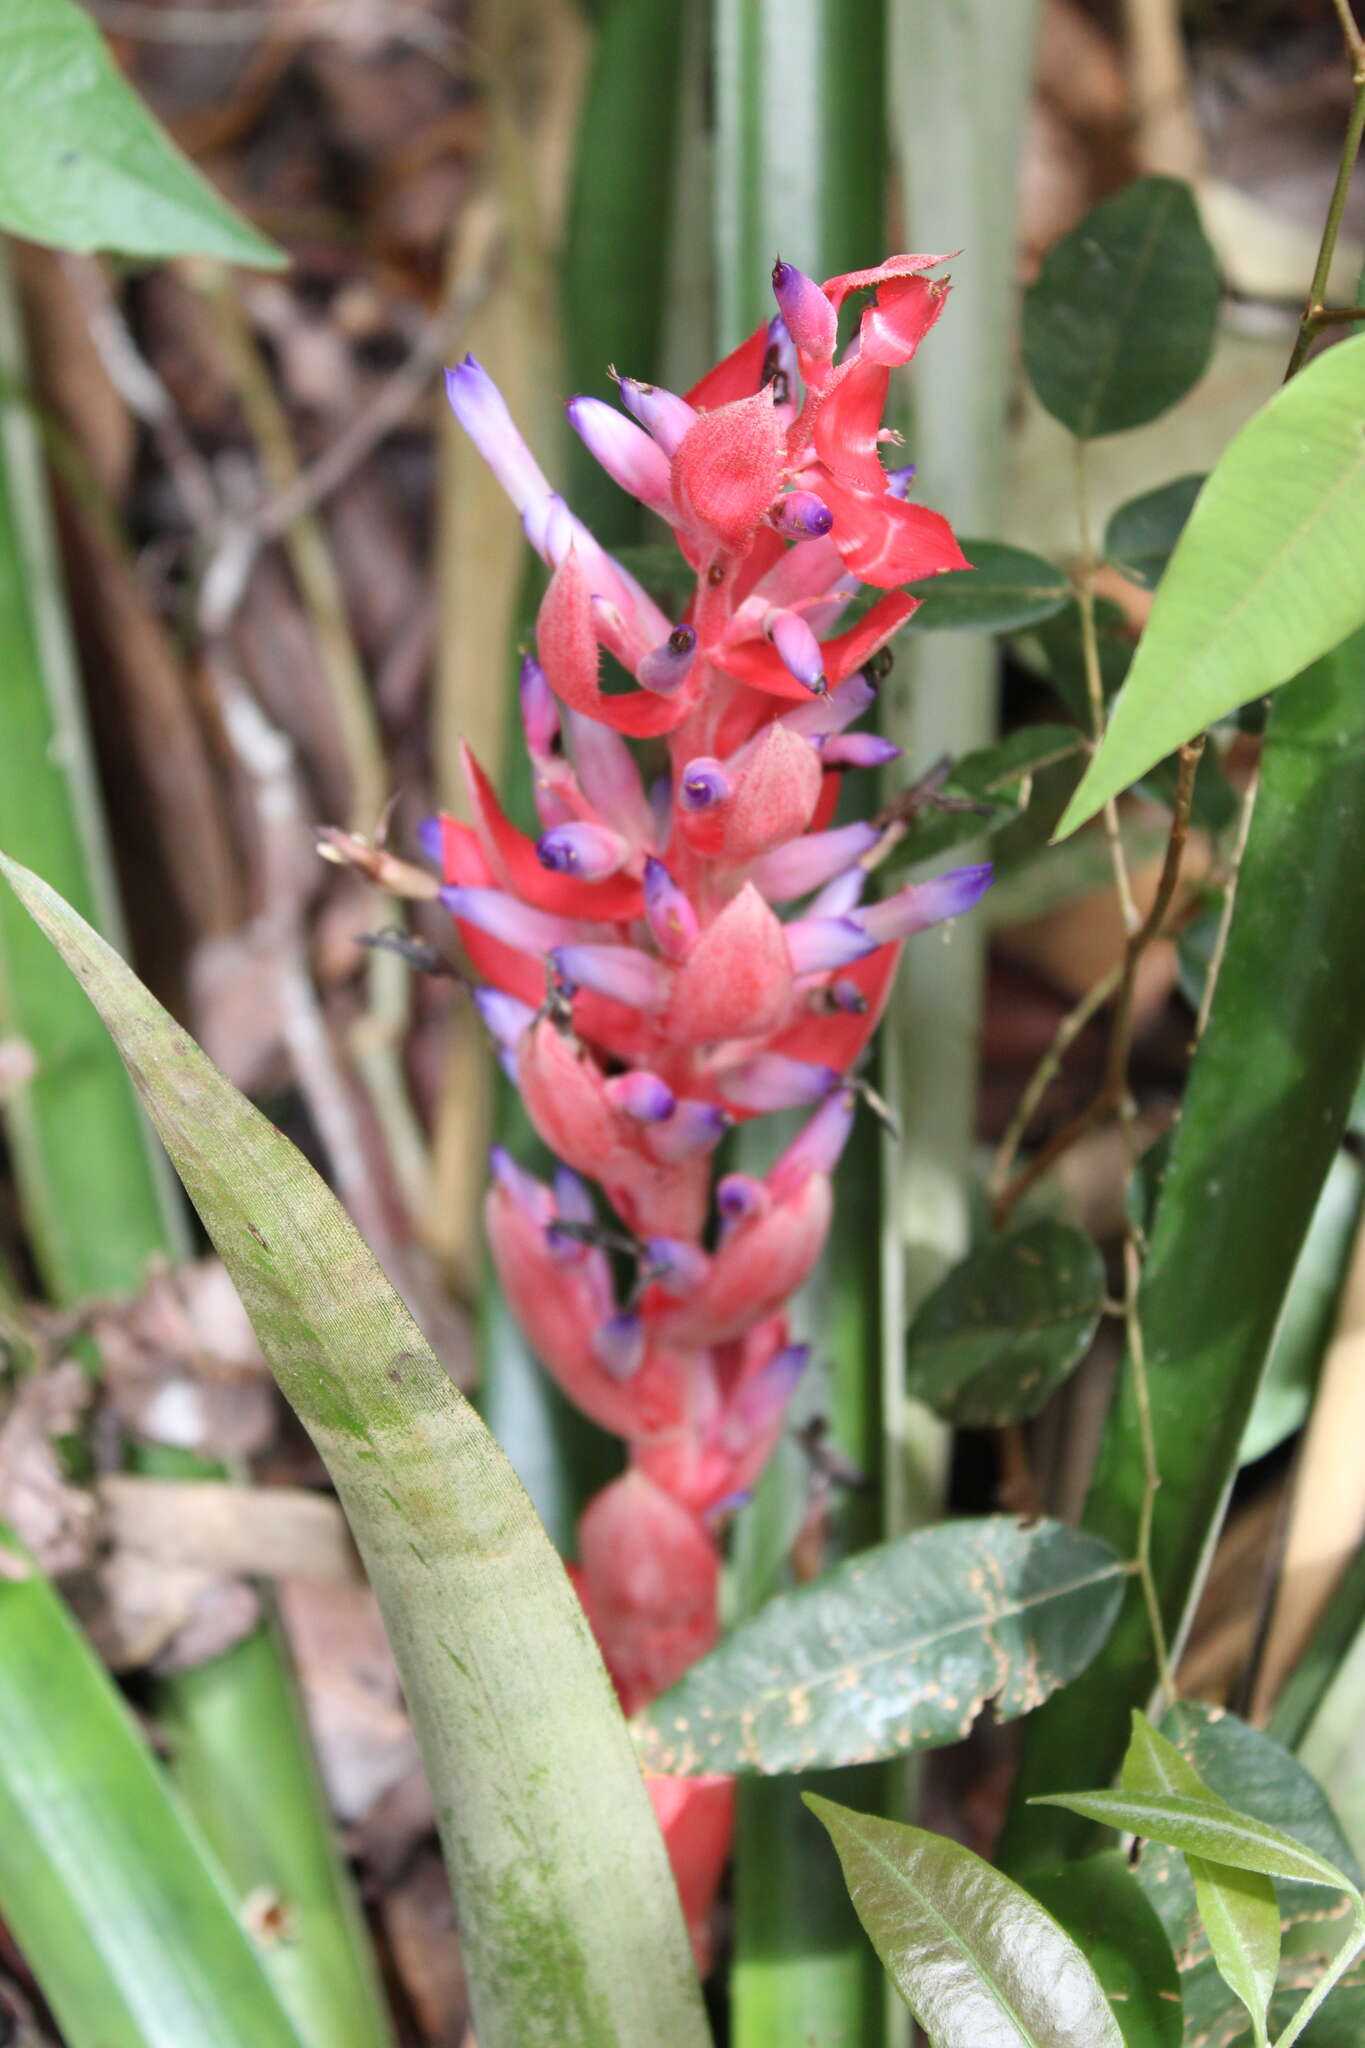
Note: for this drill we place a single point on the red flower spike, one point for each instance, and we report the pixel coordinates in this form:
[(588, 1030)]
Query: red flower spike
[(848, 426), (887, 541), (774, 797), (735, 376), (513, 858), (566, 638), (649, 1574), (905, 310), (737, 980), (756, 663), (697, 1817), (837, 289), (728, 467)]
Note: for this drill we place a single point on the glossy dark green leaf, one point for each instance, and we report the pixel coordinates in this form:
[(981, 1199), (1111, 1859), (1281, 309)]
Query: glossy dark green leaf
[(1105, 1911), (1203, 1827), (82, 163), (1120, 323), (484, 1624), (979, 1963), (898, 1648), (1263, 579), (984, 792), (1238, 1909), (1266, 1103), (1005, 588), (998, 1336), (121, 1915), (1141, 536)]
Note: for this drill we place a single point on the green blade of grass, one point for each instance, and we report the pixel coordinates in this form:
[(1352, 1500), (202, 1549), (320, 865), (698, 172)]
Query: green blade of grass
[(119, 1911), (98, 1199), (569, 1920), (1267, 1100)]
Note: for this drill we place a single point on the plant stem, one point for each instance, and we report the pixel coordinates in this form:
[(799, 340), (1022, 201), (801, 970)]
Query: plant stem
[(1043, 1075), (1330, 1978), (1094, 682), (1350, 150)]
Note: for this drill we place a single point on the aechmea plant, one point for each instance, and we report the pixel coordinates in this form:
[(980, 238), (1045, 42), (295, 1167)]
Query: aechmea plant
[(687, 942)]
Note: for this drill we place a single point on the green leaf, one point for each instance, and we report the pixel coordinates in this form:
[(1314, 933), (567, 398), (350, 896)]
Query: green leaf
[(1141, 536), (1004, 589), (124, 1922), (1102, 1907), (991, 782), (82, 163), (998, 1336), (484, 1624), (1239, 1909), (979, 1963), (898, 1648), (1204, 1827), (1267, 1100), (1263, 581), (1120, 323)]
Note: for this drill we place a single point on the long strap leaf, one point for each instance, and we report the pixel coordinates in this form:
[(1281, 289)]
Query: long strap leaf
[(570, 1923)]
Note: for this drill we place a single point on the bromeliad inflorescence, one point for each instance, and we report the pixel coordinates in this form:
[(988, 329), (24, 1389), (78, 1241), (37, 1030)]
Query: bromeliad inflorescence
[(645, 973)]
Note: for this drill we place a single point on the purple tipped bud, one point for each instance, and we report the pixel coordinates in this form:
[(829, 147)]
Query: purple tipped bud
[(627, 454), (526, 1191), (841, 895), (846, 995), (818, 944), (759, 1401), (665, 669), (849, 700), (481, 410), (740, 1198), (811, 320), (675, 1265), (806, 863), (503, 917), (857, 750), (694, 1128), (801, 516), (666, 416), (618, 1345), (703, 783), (643, 1096), (431, 839), (802, 655), (573, 1199), (621, 972), (921, 904), (504, 1015), (672, 920), (539, 712), (550, 527), (771, 1081), (779, 362), (898, 481), (507, 1060), (589, 852), (817, 1148)]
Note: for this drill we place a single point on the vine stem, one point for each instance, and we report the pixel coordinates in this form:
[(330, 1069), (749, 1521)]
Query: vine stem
[(1330, 1978), (1316, 312)]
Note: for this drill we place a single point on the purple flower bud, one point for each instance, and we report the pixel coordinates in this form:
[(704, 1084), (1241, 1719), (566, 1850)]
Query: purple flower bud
[(672, 920), (589, 852), (847, 701), (801, 516), (740, 1198), (846, 995), (921, 904), (663, 413), (898, 481), (665, 669), (760, 1401), (770, 1081), (431, 839), (622, 972), (806, 863), (817, 944), (811, 320), (841, 895), (618, 1345), (641, 1095), (573, 1198), (539, 712), (609, 777), (703, 783), (482, 411), (504, 1015), (675, 1265), (626, 453), (817, 1148), (694, 1128), (802, 654), (857, 750), (503, 917), (529, 1194)]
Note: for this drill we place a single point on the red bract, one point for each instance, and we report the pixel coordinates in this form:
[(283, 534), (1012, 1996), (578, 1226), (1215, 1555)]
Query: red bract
[(646, 977)]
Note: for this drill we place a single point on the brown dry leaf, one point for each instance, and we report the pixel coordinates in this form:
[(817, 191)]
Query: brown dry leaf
[(57, 1521), (419, 1921), (350, 1690), (214, 1526), (138, 1611), (182, 1366)]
